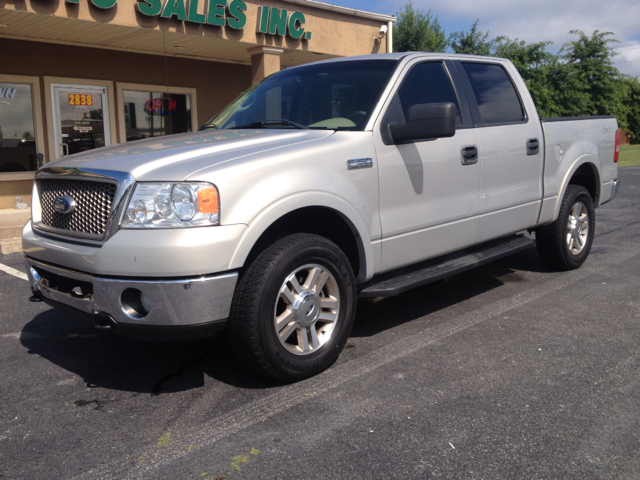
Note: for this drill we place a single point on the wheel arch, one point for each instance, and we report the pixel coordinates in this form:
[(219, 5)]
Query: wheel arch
[(328, 216), (583, 172)]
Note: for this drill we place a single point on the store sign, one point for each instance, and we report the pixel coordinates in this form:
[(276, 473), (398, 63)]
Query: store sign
[(280, 22), (161, 106), (98, 3), (220, 13), (217, 12), (80, 100)]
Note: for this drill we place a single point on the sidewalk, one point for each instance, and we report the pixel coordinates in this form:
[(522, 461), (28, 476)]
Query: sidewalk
[(11, 223)]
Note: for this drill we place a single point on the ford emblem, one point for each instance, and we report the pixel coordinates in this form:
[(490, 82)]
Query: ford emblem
[(64, 204)]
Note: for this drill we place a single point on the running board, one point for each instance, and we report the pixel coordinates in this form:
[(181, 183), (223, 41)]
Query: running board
[(399, 281)]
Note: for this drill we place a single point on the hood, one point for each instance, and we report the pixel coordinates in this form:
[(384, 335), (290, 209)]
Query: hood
[(175, 157)]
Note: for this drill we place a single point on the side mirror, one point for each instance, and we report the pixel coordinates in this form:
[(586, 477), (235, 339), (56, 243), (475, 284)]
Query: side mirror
[(425, 121)]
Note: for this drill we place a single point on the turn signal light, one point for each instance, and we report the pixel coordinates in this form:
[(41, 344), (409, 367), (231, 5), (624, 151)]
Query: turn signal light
[(208, 200)]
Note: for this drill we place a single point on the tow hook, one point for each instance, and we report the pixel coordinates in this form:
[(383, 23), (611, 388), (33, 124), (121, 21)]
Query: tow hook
[(36, 296)]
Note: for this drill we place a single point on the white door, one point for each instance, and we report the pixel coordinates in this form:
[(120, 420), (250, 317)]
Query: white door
[(511, 156), (429, 194), (80, 117)]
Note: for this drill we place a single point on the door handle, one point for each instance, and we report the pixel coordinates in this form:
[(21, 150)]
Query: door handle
[(533, 146), (469, 155), (65, 147)]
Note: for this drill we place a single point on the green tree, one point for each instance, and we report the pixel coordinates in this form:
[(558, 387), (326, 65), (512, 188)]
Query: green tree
[(473, 42), (537, 67), (629, 116), (416, 31), (590, 60)]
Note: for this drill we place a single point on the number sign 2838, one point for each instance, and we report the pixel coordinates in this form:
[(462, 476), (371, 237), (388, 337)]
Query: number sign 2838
[(80, 100)]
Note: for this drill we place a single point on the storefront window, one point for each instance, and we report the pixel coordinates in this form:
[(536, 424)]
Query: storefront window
[(81, 120), (17, 130), (152, 114)]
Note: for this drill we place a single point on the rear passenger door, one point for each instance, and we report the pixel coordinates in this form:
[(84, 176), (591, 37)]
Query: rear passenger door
[(508, 130), (429, 202)]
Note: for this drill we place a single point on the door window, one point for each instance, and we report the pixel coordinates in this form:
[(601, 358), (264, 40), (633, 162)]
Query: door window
[(153, 114), (496, 96), (81, 118), (17, 129), (428, 83)]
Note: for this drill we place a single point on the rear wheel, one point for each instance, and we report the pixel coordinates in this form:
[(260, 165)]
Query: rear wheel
[(565, 243), (293, 308)]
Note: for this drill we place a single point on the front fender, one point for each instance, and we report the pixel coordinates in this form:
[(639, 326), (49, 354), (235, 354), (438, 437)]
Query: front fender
[(271, 213)]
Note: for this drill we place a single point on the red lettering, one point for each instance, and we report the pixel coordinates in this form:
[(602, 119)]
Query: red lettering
[(173, 105)]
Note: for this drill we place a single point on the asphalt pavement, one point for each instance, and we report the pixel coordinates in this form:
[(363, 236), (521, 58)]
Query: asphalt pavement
[(509, 371)]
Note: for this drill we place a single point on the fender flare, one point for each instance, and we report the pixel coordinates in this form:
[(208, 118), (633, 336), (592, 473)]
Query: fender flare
[(267, 216), (584, 159)]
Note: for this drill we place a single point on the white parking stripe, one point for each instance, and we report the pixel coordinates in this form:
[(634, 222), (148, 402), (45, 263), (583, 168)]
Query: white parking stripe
[(14, 272)]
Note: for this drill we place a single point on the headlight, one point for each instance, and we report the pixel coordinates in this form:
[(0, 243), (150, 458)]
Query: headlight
[(168, 205)]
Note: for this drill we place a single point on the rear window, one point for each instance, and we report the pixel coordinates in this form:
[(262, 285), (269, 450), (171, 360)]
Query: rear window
[(496, 96)]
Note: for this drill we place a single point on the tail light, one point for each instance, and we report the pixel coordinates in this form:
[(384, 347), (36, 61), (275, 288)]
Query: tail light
[(616, 154)]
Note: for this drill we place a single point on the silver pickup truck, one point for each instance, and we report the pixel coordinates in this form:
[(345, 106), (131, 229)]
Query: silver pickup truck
[(356, 177)]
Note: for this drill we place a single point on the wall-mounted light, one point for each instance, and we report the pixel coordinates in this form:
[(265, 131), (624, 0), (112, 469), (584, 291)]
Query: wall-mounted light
[(383, 33)]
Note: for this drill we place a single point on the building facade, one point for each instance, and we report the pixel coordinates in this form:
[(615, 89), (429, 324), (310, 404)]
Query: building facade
[(81, 74)]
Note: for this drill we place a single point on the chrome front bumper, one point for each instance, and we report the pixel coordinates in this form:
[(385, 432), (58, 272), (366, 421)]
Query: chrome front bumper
[(168, 303)]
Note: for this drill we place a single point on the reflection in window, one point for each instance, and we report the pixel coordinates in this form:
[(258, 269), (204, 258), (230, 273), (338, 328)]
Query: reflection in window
[(427, 83), (17, 130), (497, 99), (153, 114)]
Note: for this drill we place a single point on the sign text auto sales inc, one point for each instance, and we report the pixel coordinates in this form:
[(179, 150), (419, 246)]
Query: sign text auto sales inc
[(221, 13)]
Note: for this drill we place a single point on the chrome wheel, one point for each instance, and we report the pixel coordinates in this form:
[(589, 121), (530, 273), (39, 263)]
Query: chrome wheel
[(307, 309), (577, 228)]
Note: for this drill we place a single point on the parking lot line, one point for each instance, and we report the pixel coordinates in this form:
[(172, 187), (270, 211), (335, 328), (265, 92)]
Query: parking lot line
[(13, 271)]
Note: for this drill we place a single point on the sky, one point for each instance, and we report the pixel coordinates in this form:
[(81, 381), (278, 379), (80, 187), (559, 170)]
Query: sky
[(532, 20)]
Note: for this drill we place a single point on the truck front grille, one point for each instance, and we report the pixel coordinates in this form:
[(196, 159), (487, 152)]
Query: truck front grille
[(94, 201)]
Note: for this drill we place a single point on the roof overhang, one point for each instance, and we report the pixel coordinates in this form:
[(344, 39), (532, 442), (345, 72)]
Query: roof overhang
[(347, 11)]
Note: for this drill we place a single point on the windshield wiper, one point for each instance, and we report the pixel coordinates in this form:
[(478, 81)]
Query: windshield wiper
[(264, 123)]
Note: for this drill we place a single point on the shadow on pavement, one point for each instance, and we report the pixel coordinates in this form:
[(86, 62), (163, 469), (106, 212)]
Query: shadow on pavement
[(382, 314), (108, 361)]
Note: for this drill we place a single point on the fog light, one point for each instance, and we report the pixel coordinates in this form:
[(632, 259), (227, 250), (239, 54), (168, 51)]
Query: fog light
[(134, 303)]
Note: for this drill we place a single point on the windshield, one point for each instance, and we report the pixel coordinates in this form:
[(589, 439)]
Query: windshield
[(333, 95)]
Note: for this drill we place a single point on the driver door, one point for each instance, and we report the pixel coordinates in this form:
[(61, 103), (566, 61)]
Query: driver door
[(429, 192)]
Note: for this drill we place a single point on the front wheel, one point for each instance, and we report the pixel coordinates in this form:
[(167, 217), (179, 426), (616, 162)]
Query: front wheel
[(293, 309), (565, 243)]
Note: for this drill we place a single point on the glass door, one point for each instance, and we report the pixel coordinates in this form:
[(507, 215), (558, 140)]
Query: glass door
[(81, 118)]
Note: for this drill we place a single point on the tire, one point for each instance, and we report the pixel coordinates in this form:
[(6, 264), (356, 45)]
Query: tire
[(293, 308), (565, 243)]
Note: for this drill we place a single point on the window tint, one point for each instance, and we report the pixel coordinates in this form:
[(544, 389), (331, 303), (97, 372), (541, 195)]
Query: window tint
[(495, 94), (428, 83)]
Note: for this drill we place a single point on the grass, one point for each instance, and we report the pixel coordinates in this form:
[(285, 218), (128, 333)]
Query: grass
[(629, 155)]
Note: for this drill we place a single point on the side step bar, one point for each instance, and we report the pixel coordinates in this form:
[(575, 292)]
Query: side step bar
[(399, 281)]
